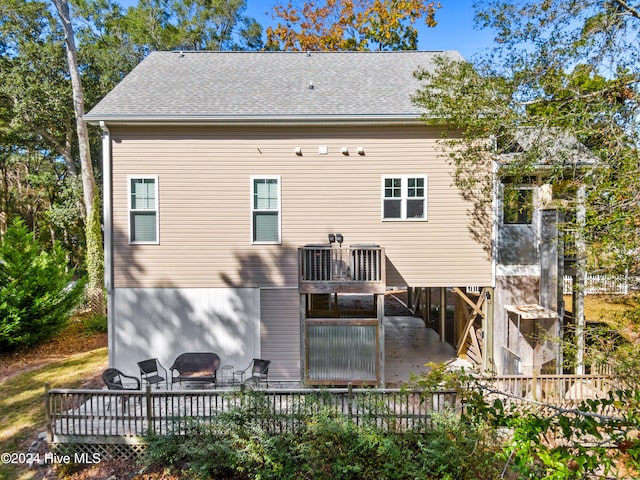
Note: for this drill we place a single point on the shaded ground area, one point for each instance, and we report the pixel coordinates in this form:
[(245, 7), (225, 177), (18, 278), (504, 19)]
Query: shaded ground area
[(72, 340)]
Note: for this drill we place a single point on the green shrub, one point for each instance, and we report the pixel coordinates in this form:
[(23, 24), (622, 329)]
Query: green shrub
[(95, 324), (37, 293), (324, 445)]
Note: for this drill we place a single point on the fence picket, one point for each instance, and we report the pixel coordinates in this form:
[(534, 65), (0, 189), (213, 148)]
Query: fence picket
[(602, 284)]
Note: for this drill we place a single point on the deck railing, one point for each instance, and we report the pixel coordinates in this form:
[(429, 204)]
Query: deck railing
[(323, 268), (95, 416), (91, 413), (115, 423), (564, 390)]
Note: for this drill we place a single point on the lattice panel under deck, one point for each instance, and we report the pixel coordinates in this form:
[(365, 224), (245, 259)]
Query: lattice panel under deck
[(105, 451)]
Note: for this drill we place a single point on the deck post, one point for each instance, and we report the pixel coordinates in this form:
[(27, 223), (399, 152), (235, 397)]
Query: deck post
[(443, 313), (427, 305), (488, 361), (47, 408), (303, 338), (147, 396), (380, 339)]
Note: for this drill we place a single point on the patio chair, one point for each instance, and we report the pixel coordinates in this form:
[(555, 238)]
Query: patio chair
[(114, 379), (152, 372), (259, 369)]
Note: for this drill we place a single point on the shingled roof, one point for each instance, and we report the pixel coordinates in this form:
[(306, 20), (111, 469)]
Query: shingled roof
[(267, 86)]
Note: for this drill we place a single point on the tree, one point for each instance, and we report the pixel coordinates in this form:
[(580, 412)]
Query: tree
[(36, 289), (349, 25), (94, 256), (38, 156), (193, 25), (559, 66)]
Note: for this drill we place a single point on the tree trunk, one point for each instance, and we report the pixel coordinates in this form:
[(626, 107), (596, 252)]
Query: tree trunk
[(94, 260)]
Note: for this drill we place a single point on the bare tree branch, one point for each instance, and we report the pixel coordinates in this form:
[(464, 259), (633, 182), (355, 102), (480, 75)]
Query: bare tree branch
[(633, 11)]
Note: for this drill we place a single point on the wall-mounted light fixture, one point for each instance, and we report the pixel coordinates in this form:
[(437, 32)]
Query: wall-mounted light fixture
[(360, 150), (298, 151), (335, 237), (345, 150)]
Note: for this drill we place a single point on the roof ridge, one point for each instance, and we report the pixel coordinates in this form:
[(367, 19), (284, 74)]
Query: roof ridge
[(308, 53)]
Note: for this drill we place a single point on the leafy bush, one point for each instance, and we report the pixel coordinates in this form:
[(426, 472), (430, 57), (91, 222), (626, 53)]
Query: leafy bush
[(323, 445), (95, 324), (37, 292)]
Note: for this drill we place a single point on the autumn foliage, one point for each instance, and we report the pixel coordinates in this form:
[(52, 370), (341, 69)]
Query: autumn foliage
[(349, 25)]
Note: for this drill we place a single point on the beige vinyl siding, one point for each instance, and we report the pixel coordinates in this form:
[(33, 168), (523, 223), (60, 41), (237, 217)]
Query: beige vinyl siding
[(204, 205), (280, 332)]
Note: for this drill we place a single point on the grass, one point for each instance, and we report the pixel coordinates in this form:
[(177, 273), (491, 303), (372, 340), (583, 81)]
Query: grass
[(22, 411), (609, 309)]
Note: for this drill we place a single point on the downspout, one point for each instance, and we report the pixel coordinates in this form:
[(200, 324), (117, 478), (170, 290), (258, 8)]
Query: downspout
[(108, 237)]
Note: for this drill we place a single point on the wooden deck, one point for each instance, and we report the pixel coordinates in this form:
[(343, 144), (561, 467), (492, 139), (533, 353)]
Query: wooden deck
[(115, 423), (86, 415)]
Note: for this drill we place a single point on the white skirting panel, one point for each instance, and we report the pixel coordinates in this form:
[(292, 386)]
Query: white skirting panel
[(165, 322)]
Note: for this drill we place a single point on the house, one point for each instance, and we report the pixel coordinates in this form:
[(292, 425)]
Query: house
[(247, 194)]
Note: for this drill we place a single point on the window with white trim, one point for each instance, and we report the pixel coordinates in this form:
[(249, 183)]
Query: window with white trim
[(143, 210), (517, 201), (517, 206), (265, 209), (404, 197)]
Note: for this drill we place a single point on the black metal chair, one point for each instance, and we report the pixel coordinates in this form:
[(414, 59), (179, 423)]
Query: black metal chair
[(152, 372), (114, 379), (259, 373)]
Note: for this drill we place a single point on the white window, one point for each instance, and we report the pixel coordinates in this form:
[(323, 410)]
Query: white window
[(265, 209), (143, 210), (404, 197), (518, 201), (517, 206)]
